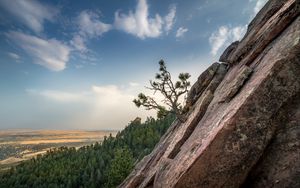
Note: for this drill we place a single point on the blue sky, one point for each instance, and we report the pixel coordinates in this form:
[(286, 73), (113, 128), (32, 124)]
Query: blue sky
[(78, 64)]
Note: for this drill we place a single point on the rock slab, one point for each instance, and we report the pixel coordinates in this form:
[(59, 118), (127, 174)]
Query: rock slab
[(243, 117)]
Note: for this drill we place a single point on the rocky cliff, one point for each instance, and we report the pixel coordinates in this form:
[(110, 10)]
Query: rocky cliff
[(243, 115)]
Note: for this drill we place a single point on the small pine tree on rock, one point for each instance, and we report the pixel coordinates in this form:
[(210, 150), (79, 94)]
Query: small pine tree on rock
[(171, 91)]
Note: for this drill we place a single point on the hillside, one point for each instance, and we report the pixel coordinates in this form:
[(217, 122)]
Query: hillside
[(19, 145), (98, 165)]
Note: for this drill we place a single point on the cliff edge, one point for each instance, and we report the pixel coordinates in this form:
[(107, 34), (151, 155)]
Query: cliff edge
[(243, 115)]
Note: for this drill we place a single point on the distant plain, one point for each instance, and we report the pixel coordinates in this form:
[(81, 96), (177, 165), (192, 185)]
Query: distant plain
[(20, 145)]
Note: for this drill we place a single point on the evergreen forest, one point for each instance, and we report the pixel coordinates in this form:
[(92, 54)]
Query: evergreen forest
[(104, 164)]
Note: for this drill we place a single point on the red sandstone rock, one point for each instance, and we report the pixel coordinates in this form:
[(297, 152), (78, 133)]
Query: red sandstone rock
[(243, 124), (228, 52)]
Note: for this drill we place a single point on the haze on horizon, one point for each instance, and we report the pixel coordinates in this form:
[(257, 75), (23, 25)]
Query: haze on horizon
[(77, 65)]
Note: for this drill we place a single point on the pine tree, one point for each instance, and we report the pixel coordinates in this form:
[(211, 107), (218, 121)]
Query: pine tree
[(120, 167), (172, 93)]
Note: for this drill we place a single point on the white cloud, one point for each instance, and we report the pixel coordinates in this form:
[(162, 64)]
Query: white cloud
[(224, 36), (133, 84), (78, 42), (113, 107), (136, 23), (49, 53), (256, 6), (237, 32), (13, 55), (90, 25), (25, 72), (78, 66), (31, 13), (169, 18), (100, 107), (110, 95), (59, 96), (181, 31), (139, 24), (259, 4), (218, 39)]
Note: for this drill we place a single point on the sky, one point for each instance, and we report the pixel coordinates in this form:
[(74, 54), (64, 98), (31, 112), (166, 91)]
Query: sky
[(74, 64)]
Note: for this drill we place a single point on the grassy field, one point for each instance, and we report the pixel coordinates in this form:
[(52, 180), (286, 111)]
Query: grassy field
[(19, 145)]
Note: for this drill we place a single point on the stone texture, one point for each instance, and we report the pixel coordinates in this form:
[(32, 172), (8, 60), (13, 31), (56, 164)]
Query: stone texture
[(238, 82), (264, 15), (259, 37), (279, 166), (242, 127), (228, 52), (201, 83)]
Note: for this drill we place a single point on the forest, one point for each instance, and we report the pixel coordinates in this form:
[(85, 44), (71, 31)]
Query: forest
[(104, 164)]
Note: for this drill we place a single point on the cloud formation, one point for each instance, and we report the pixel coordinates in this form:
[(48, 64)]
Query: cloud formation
[(170, 18), (31, 13), (14, 56), (78, 42), (227, 34), (107, 95), (259, 4), (110, 95), (224, 36), (133, 84), (59, 96), (256, 7), (100, 107), (181, 31), (139, 23), (90, 26), (49, 53), (54, 54)]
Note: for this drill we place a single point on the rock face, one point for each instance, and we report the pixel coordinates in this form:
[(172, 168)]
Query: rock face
[(243, 117)]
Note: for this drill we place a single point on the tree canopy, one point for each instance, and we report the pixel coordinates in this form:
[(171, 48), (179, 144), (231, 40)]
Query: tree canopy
[(104, 164), (172, 92)]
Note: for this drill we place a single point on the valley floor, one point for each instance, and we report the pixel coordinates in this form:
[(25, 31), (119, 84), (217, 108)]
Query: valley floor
[(20, 145)]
